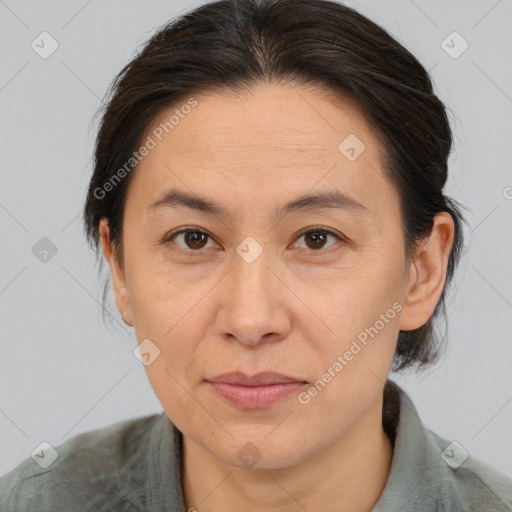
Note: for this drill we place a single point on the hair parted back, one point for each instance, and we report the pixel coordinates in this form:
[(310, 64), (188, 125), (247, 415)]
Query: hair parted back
[(234, 45)]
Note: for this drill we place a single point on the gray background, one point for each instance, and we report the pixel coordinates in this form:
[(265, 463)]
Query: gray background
[(62, 371)]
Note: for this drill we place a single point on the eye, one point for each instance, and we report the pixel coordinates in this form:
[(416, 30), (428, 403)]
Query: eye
[(193, 239), (316, 238)]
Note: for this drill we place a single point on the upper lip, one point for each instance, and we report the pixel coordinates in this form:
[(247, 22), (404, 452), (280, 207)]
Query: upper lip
[(260, 379)]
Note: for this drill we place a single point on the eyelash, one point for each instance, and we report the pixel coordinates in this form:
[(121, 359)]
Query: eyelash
[(193, 253)]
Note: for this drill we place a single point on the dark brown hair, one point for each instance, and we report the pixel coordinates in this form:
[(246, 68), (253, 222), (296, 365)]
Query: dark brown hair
[(232, 45)]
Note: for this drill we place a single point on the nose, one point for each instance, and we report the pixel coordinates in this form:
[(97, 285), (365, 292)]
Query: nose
[(255, 303)]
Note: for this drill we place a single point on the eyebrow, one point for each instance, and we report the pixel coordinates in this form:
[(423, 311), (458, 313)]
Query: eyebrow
[(334, 199)]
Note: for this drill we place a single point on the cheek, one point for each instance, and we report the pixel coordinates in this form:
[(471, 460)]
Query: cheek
[(171, 323), (362, 314), (174, 393), (356, 298), (161, 302)]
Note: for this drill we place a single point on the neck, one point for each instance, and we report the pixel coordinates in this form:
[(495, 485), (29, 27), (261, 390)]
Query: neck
[(350, 475)]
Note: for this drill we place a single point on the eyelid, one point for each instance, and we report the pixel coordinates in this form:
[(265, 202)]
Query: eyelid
[(339, 237), (168, 237), (324, 230)]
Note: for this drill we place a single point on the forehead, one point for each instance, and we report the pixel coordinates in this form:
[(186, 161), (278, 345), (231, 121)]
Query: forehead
[(301, 120), (278, 140)]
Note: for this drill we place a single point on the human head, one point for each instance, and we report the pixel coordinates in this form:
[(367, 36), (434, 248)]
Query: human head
[(235, 51)]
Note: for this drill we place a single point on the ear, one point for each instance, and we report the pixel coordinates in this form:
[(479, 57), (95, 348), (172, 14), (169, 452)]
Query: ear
[(427, 274), (116, 273)]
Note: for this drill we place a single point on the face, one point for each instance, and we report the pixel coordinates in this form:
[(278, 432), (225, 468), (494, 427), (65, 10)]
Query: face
[(316, 291)]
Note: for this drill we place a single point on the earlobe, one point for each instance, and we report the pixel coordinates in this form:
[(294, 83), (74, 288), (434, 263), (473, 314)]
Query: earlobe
[(117, 277), (427, 275)]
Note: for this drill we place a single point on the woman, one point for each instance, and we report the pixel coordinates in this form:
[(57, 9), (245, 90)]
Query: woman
[(268, 195)]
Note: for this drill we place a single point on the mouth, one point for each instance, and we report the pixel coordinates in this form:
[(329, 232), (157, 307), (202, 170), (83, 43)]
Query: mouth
[(257, 392)]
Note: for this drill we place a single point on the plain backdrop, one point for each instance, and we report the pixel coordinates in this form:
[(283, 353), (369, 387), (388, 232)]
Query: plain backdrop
[(62, 371)]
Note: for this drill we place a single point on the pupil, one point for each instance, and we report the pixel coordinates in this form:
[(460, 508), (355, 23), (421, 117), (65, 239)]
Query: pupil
[(191, 236), (318, 236)]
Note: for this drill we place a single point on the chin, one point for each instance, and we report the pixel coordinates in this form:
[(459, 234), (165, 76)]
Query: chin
[(255, 448)]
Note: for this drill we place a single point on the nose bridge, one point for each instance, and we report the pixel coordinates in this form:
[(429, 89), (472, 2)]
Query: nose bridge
[(251, 275), (252, 306)]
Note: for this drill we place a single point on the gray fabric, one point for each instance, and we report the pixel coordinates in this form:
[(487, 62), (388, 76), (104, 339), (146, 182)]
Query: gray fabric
[(135, 465), (421, 481)]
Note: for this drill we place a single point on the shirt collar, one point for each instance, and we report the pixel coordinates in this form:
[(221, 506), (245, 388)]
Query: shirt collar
[(164, 489), (418, 473)]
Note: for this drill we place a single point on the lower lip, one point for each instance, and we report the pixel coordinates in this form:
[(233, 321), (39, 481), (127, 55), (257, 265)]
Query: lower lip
[(255, 397)]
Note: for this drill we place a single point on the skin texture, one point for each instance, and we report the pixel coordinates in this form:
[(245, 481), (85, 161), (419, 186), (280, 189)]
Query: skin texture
[(294, 309)]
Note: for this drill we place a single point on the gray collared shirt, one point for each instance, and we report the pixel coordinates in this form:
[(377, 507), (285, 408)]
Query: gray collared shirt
[(136, 465)]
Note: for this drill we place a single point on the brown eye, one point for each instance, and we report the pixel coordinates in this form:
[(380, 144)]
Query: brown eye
[(192, 240), (195, 239), (316, 238)]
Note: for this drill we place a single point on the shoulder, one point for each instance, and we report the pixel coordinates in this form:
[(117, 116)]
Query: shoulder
[(469, 482), (431, 473), (102, 469)]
